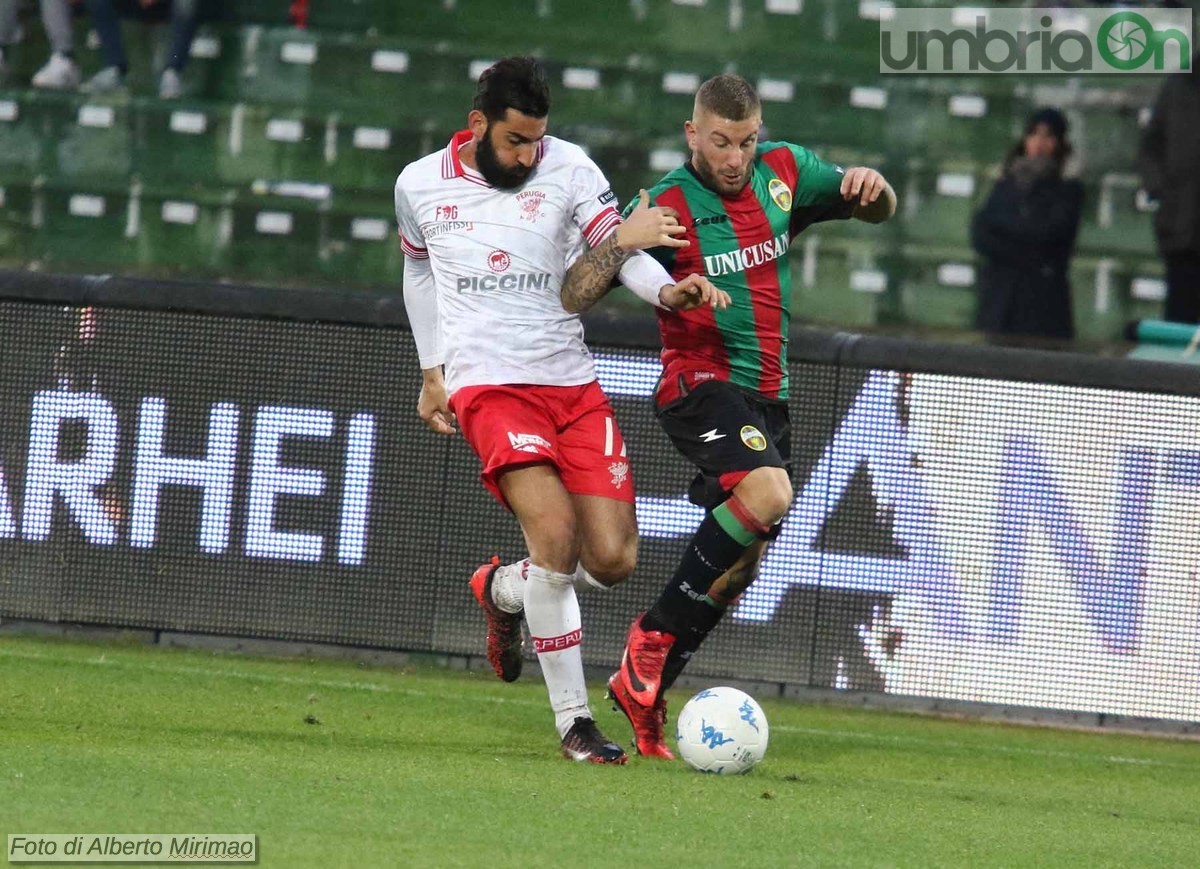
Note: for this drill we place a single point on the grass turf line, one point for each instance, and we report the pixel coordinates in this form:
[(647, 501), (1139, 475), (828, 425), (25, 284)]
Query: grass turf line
[(428, 767)]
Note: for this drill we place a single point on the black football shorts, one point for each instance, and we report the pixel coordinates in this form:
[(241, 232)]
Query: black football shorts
[(727, 432)]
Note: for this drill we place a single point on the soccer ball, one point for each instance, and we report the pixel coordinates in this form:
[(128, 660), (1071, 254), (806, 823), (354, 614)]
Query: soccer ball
[(721, 730)]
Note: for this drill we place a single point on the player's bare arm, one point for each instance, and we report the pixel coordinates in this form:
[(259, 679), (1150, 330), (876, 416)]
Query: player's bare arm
[(433, 404), (876, 198), (591, 276)]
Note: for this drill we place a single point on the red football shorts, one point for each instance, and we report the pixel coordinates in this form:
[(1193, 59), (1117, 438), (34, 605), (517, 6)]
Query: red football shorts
[(569, 427)]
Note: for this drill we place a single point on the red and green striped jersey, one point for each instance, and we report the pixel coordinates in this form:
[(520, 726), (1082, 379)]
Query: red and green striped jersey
[(741, 244)]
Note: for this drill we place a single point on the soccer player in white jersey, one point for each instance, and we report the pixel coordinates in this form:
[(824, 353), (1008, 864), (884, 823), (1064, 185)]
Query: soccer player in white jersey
[(493, 228)]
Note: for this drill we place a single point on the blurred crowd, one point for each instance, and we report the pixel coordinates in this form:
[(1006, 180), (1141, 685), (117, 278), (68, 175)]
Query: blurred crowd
[(61, 71), (1025, 231)]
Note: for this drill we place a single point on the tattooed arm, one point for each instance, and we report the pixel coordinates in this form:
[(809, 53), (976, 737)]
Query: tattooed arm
[(591, 276)]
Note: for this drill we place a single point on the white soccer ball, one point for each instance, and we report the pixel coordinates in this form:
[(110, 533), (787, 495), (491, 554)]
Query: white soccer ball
[(721, 730)]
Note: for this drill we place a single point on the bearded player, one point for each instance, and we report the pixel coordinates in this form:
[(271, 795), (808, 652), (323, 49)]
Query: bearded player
[(489, 226), (722, 397)]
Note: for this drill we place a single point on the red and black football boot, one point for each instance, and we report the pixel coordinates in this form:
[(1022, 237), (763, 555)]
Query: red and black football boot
[(504, 639), (647, 721)]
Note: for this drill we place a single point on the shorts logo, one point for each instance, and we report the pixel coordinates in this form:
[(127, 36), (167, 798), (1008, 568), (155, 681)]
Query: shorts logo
[(620, 473), (752, 438), (499, 261), (780, 193), (528, 443)]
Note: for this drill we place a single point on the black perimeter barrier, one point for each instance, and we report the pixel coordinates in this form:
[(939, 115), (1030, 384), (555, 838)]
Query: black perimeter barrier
[(987, 525)]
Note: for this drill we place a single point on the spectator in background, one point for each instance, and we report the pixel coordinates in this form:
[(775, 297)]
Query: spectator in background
[(1170, 157), (60, 72), (108, 26), (1025, 233)]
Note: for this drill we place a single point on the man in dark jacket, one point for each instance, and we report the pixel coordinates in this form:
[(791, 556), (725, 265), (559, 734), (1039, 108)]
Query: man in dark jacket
[(1170, 156)]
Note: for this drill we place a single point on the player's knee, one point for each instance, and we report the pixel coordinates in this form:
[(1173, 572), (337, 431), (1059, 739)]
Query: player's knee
[(613, 563), (767, 493), (552, 541)]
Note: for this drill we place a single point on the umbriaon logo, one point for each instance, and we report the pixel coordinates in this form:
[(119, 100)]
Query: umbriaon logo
[(1053, 41)]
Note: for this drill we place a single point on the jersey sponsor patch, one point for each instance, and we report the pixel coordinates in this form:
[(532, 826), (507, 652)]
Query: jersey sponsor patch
[(499, 261), (607, 196), (780, 193), (528, 443), (753, 438)]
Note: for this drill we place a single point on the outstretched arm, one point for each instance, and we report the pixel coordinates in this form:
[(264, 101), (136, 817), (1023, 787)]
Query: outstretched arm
[(591, 276)]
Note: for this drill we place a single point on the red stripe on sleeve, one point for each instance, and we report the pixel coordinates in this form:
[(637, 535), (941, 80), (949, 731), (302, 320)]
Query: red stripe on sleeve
[(412, 250), (597, 222)]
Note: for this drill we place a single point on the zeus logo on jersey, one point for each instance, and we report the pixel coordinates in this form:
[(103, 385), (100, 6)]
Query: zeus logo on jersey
[(744, 258), (521, 281)]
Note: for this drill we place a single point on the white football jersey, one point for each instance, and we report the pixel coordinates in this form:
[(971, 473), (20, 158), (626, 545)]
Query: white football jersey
[(498, 259)]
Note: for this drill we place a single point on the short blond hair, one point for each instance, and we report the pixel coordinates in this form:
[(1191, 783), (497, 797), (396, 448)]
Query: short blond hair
[(728, 96)]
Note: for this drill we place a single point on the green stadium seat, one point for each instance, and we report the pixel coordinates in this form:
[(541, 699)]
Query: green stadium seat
[(98, 144), (838, 283), (29, 131), (186, 232), (370, 158), (178, 142), (277, 238), (937, 202), (1108, 292), (1116, 217), (265, 143), (84, 225), (16, 227), (938, 290), (362, 240), (214, 65)]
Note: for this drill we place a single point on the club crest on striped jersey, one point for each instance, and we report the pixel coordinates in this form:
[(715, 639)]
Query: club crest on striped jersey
[(531, 202), (780, 193), (753, 438)]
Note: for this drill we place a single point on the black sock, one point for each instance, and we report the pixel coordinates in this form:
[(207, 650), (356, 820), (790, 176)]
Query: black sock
[(716, 546)]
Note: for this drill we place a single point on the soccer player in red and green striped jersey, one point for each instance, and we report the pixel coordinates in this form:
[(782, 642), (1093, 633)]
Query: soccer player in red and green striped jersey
[(722, 397)]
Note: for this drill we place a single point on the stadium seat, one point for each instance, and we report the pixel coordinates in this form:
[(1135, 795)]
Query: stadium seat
[(1110, 291), (178, 142), (29, 130), (937, 288), (277, 238), (1116, 216), (16, 211), (85, 225), (370, 158), (842, 283), (937, 201), (361, 239), (185, 232), (265, 143)]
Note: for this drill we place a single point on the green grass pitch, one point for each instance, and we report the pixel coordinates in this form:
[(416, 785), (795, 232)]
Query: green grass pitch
[(336, 764)]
